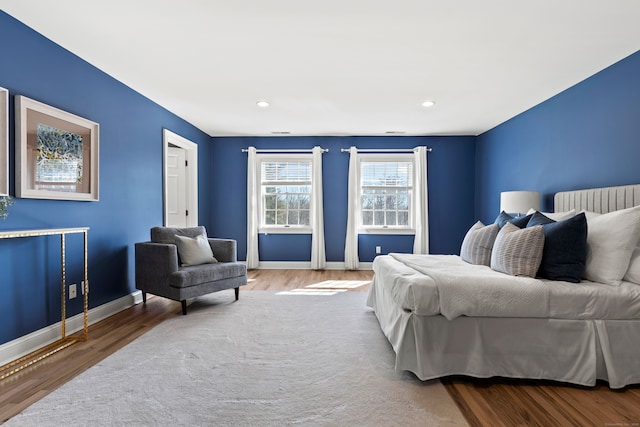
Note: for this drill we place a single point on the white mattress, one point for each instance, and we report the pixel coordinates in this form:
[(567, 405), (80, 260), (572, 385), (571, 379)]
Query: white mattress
[(428, 285)]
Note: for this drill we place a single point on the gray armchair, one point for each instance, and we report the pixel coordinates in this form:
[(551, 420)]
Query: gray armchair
[(159, 270)]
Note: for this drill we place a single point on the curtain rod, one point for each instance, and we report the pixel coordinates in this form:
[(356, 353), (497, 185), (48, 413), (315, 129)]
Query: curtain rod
[(383, 150), (302, 150)]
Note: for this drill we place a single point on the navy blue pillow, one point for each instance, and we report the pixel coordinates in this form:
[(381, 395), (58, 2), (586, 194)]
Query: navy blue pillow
[(520, 222), (565, 247), (538, 218), (502, 219)]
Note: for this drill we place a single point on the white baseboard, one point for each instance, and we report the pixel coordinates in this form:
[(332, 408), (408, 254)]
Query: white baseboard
[(26, 344), (306, 265)]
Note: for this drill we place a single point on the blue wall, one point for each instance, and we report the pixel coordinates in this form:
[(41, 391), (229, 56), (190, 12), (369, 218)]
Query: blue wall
[(451, 171), (587, 136), (130, 183)]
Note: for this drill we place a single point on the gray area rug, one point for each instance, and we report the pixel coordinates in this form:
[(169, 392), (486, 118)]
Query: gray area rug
[(266, 360)]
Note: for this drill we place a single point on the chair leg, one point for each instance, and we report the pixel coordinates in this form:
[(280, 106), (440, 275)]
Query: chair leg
[(184, 307), (144, 296), (237, 293)]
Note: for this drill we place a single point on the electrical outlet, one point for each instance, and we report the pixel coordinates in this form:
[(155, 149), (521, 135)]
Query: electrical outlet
[(73, 291), (378, 249)]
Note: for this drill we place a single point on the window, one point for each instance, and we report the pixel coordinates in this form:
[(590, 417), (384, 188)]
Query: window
[(386, 191), (285, 193)]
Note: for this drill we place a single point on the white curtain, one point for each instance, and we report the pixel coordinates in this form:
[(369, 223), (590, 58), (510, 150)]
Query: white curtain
[(351, 261), (318, 256), (420, 205), (253, 258)]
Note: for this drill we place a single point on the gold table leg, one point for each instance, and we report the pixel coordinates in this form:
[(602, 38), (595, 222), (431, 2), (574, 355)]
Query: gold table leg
[(64, 342)]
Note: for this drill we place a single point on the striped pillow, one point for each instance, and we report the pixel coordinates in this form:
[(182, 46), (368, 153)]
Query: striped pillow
[(518, 252), (478, 242)]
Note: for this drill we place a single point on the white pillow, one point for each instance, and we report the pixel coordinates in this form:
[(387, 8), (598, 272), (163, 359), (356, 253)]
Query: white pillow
[(556, 216), (478, 242), (194, 251), (611, 239), (633, 273), (589, 214)]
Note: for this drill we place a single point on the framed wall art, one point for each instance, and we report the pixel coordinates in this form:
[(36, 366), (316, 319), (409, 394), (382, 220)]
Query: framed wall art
[(4, 142), (57, 153)]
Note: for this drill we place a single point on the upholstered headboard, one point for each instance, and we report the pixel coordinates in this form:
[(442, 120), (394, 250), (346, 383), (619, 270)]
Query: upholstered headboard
[(601, 200)]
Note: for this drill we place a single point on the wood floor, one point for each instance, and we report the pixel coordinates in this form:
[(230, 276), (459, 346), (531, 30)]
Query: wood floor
[(505, 402), (483, 402), (286, 280)]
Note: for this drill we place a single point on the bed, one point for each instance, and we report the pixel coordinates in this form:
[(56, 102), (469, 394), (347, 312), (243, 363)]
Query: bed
[(445, 316)]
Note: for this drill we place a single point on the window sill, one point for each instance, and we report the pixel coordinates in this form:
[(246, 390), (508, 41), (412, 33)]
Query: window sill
[(386, 230), (285, 230)]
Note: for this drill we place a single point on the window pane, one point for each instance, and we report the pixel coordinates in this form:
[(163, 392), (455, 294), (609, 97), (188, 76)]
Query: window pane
[(292, 201), (270, 202), (367, 202), (391, 218), (270, 217), (391, 202), (292, 218), (403, 218), (378, 202), (367, 218), (403, 202), (304, 217), (281, 218), (378, 218), (305, 202)]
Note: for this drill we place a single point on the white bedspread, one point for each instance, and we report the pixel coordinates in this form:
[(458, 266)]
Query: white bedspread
[(428, 285), (475, 290)]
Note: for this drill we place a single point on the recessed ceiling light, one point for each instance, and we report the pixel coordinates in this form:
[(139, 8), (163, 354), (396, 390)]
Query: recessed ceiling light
[(428, 103), (262, 104)]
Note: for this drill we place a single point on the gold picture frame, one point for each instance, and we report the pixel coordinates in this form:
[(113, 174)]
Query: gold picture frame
[(57, 153), (4, 142)]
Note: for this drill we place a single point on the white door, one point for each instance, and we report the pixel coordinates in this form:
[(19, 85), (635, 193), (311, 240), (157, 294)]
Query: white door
[(180, 181), (176, 181)]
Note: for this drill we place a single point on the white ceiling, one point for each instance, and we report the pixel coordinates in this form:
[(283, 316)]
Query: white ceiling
[(342, 67)]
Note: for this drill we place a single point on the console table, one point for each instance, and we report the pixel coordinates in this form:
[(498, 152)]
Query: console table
[(64, 341)]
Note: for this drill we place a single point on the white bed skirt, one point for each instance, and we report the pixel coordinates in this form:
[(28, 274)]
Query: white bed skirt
[(573, 351)]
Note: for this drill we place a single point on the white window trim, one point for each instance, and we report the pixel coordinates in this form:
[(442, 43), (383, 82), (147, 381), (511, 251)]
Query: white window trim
[(386, 230), (279, 229), (291, 229), (373, 229)]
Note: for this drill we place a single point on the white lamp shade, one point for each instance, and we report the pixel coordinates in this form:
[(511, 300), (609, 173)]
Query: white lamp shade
[(519, 201)]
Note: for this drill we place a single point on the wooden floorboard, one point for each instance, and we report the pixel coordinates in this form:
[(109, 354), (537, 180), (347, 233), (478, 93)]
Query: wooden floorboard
[(279, 280), (507, 402), (494, 402)]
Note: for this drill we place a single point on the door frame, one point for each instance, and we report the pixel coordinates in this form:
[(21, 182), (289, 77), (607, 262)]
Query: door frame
[(191, 177)]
